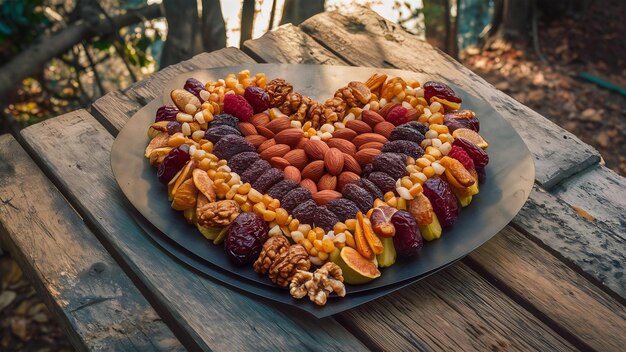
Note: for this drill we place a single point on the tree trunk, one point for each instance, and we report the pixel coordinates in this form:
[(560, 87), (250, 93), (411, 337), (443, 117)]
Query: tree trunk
[(182, 31), (515, 19), (213, 26), (32, 60), (296, 11), (247, 19)]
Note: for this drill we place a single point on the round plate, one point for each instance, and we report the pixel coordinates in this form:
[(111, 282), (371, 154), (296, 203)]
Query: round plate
[(510, 175)]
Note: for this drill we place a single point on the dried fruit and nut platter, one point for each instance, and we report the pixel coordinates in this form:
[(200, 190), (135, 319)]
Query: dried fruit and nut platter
[(320, 186)]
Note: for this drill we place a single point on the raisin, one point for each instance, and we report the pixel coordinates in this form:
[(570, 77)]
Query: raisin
[(280, 189), (344, 208), (411, 149), (224, 119), (242, 161), (359, 196), (214, 134), (406, 133), (371, 188), (245, 238), (231, 145), (367, 170), (383, 181), (415, 125), (267, 180), (325, 218), (295, 197), (393, 164), (255, 171), (304, 212)]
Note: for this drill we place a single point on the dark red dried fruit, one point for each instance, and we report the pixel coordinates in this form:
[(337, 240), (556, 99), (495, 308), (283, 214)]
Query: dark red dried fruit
[(173, 162), (461, 155), (482, 174), (408, 240), (383, 181), (371, 188), (397, 115), (359, 196), (406, 133), (237, 106), (242, 161), (417, 126), (194, 87), (440, 90), (461, 119), (245, 238), (224, 119), (214, 134), (231, 145), (480, 158), (280, 189), (258, 98), (166, 113), (409, 148), (255, 171), (344, 208), (445, 204), (393, 164), (305, 212), (325, 218), (174, 127), (267, 180), (295, 197), (367, 170)]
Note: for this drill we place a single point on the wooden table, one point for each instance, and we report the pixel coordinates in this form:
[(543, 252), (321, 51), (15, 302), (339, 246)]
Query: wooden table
[(551, 280)]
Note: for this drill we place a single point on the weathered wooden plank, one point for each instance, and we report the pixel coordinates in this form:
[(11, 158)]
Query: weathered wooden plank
[(364, 38), (99, 306), (601, 193), (568, 300), (289, 44), (115, 108), (75, 149), (454, 310), (592, 246)]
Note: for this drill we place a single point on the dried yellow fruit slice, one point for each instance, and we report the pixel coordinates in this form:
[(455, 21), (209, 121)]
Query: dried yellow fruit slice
[(204, 183), (186, 196), (157, 155), (184, 175), (456, 174), (471, 136), (159, 141)]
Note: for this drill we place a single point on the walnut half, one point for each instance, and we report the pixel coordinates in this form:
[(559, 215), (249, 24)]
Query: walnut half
[(319, 284)]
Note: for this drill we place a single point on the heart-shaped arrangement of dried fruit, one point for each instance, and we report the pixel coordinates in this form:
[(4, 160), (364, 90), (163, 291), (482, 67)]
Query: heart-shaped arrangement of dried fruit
[(346, 185)]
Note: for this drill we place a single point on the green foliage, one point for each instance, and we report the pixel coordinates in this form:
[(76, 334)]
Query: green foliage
[(21, 21)]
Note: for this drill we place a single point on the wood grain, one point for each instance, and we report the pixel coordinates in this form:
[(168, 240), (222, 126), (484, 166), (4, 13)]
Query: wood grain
[(99, 306), (115, 108), (289, 44), (75, 150), (567, 299), (363, 38)]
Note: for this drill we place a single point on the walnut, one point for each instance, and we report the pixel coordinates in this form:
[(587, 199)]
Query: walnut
[(288, 263), (355, 94), (272, 248), (319, 284), (278, 89), (219, 213), (316, 115), (345, 94), (335, 109), (300, 113), (291, 104)]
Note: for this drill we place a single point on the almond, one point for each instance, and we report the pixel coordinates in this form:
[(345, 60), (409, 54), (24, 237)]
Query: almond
[(358, 126), (344, 133), (384, 128), (260, 119), (365, 156), (344, 145), (368, 137), (375, 145), (256, 140), (278, 124), (345, 178), (371, 117), (412, 114), (314, 170), (268, 143), (302, 143), (309, 184), (275, 150), (385, 110), (316, 149), (297, 158), (333, 161), (291, 173), (325, 196), (350, 164), (247, 129), (289, 136), (265, 132), (327, 182), (279, 163)]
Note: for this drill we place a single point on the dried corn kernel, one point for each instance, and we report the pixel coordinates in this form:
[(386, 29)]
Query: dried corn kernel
[(388, 195), (305, 242), (351, 224), (240, 198), (244, 188), (281, 216), (339, 227), (293, 224), (269, 215), (350, 239), (311, 236), (255, 196)]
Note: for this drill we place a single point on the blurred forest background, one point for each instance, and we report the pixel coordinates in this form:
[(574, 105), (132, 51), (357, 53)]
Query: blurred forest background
[(564, 59)]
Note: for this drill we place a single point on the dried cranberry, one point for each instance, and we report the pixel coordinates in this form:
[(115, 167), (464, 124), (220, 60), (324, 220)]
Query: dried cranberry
[(257, 98), (441, 91), (166, 113), (397, 115), (480, 158), (194, 87), (237, 106), (173, 162), (245, 238)]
